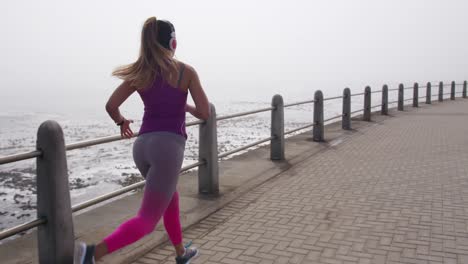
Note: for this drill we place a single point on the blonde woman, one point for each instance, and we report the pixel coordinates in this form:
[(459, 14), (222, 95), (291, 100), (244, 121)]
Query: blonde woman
[(163, 84)]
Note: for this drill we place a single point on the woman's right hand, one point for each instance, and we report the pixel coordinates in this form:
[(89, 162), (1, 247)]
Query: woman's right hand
[(125, 130)]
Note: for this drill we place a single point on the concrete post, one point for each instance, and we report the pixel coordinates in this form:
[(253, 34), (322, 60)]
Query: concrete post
[(464, 89), (318, 116), (441, 91), (452, 91), (277, 128), (346, 119), (56, 237), (416, 95), (428, 93), (208, 180), (367, 104), (401, 97), (384, 110)]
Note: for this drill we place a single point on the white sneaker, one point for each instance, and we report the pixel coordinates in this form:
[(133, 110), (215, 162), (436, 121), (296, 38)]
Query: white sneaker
[(84, 254)]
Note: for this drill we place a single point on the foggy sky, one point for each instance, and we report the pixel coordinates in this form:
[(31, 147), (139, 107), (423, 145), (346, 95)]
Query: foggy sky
[(57, 55)]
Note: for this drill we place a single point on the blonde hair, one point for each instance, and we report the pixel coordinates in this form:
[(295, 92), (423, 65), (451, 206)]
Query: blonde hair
[(153, 59)]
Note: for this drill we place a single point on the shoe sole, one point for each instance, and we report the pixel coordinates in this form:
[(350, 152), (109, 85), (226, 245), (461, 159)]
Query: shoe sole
[(82, 252), (196, 255)]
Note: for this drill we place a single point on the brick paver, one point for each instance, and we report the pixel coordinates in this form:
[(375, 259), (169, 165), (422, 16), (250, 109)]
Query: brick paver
[(396, 192)]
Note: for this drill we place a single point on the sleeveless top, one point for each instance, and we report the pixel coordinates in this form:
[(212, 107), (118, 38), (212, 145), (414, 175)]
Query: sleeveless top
[(164, 106)]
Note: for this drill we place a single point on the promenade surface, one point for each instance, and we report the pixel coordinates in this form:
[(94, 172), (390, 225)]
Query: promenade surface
[(392, 192)]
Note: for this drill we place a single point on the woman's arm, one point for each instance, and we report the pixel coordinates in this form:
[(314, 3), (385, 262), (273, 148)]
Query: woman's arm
[(201, 109), (112, 107)]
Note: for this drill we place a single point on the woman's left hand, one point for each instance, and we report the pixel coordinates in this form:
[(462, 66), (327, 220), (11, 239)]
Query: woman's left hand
[(125, 130)]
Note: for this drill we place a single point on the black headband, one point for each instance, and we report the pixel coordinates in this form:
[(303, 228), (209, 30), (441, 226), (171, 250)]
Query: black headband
[(166, 32)]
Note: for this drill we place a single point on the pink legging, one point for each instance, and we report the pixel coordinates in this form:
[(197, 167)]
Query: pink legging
[(158, 156)]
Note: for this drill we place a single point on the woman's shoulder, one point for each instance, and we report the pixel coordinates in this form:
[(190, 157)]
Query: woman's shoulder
[(188, 69)]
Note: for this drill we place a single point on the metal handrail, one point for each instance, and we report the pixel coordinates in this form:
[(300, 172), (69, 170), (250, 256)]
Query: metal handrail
[(225, 154), (299, 103), (357, 111), (92, 142), (311, 125), (375, 106), (121, 191), (194, 123), (113, 138), (298, 129), (107, 196), (393, 102), (21, 228), (109, 139), (245, 113), (20, 156), (75, 145), (331, 118), (393, 89), (333, 98), (379, 91)]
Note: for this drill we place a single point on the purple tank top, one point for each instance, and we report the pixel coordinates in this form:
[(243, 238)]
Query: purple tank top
[(164, 108)]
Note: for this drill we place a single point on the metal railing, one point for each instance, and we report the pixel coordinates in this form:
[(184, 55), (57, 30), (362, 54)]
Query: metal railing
[(208, 152), (299, 103), (298, 129), (223, 155), (245, 113)]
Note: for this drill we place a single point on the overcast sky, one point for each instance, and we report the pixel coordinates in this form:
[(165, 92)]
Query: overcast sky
[(61, 53)]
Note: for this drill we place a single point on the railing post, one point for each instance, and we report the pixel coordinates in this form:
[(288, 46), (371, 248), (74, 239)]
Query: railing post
[(441, 91), (346, 119), (401, 97), (56, 237), (464, 89), (416, 95), (452, 91), (318, 116), (384, 110), (367, 104), (428, 93), (277, 128), (208, 179)]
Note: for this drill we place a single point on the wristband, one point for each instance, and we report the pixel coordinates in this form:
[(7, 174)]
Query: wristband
[(121, 123)]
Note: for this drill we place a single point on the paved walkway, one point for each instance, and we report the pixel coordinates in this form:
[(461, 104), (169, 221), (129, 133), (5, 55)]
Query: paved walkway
[(396, 192)]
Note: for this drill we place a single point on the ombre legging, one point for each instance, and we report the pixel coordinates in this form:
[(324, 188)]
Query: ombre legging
[(158, 156)]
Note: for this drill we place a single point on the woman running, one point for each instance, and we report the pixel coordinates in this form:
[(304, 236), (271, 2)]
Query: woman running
[(163, 84)]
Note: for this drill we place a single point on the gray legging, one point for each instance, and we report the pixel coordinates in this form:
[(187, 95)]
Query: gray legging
[(158, 156)]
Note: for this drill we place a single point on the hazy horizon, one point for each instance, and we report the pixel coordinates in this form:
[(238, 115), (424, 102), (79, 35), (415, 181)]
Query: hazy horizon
[(58, 56)]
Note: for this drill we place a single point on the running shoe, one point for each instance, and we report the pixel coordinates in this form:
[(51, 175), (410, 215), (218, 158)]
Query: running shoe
[(190, 253), (84, 254)]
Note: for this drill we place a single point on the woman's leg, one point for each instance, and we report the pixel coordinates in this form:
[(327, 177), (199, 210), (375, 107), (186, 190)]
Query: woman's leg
[(153, 206), (165, 155), (172, 224), (143, 166)]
